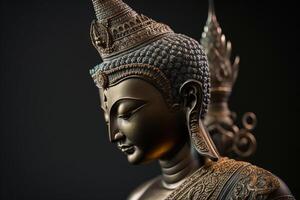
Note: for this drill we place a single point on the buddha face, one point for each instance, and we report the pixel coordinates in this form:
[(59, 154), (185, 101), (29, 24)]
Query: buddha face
[(139, 121)]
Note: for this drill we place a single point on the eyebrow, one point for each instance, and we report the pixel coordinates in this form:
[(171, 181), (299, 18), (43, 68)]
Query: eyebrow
[(119, 101)]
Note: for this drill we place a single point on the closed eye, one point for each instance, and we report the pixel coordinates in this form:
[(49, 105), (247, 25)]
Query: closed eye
[(127, 115)]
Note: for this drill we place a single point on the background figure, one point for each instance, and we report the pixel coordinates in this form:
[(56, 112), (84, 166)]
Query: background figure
[(221, 122), (53, 144)]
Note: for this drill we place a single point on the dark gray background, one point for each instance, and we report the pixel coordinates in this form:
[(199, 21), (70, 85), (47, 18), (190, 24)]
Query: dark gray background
[(53, 139)]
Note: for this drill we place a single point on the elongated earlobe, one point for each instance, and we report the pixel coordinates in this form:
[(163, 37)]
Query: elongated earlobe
[(191, 94)]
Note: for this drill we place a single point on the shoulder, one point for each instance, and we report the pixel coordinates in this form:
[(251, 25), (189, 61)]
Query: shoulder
[(140, 190), (231, 179), (252, 182)]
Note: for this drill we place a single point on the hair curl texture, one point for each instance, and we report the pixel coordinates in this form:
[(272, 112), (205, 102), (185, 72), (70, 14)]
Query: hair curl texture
[(179, 57)]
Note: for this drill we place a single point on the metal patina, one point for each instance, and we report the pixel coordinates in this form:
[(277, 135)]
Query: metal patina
[(154, 88), (220, 121)]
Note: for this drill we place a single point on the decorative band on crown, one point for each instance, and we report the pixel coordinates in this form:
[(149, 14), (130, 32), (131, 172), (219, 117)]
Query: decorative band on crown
[(149, 73), (118, 28)]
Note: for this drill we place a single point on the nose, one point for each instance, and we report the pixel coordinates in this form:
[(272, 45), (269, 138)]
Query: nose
[(114, 133), (115, 136), (118, 136)]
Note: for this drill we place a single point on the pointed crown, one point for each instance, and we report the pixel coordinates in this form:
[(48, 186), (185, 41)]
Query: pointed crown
[(120, 29)]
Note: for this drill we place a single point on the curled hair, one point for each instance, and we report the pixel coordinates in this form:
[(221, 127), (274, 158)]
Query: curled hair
[(178, 57)]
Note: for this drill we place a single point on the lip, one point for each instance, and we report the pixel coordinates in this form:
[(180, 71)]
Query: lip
[(128, 149)]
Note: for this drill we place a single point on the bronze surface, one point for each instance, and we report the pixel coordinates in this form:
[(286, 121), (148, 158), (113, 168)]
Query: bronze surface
[(220, 120), (154, 95)]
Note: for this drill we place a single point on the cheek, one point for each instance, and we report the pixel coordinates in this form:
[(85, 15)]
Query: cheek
[(146, 129)]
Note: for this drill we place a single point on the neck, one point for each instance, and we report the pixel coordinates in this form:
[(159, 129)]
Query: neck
[(177, 167)]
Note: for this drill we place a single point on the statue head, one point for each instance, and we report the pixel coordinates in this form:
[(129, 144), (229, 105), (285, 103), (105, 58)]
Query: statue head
[(153, 84)]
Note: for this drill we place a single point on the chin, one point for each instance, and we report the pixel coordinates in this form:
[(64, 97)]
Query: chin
[(137, 157)]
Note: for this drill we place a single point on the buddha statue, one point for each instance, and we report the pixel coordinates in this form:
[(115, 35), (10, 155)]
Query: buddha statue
[(154, 88)]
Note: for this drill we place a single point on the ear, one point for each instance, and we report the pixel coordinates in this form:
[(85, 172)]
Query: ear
[(191, 94)]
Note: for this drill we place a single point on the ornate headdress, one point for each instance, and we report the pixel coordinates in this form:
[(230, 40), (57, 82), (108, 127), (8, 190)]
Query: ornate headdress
[(119, 29), (131, 44), (219, 119)]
